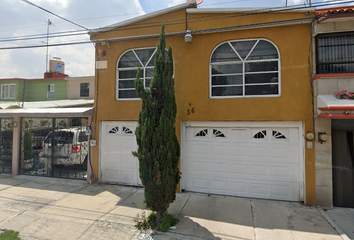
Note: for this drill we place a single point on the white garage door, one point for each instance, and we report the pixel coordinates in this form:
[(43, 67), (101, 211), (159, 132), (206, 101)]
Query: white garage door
[(259, 162), (117, 164)]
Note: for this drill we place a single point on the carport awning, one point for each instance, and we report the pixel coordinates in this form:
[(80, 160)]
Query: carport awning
[(338, 108), (47, 112)]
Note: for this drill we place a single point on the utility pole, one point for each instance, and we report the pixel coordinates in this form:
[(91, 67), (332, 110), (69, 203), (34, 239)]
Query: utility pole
[(46, 57)]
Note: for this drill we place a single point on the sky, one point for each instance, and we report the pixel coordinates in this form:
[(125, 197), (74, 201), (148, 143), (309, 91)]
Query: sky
[(19, 19)]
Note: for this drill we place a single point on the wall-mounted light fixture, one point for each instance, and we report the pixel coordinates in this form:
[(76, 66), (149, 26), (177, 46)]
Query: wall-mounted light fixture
[(322, 137), (108, 44), (310, 136), (188, 37)]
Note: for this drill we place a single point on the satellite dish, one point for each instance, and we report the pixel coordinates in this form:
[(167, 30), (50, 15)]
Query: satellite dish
[(197, 1)]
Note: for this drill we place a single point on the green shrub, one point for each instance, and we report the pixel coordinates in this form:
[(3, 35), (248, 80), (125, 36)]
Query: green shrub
[(166, 222), (28, 150), (144, 223)]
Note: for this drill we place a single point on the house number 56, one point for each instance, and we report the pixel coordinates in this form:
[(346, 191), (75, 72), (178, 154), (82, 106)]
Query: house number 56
[(189, 111)]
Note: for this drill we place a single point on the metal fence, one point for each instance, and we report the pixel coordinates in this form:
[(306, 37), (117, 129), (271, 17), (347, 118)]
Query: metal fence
[(6, 135), (54, 147)]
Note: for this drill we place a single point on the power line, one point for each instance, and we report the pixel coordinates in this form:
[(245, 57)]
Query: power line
[(251, 12), (26, 1), (45, 45), (277, 9)]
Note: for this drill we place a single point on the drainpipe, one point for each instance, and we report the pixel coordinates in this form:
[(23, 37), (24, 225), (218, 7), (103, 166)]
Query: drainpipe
[(23, 93)]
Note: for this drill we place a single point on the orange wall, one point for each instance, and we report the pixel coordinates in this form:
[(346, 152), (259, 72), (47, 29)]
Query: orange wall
[(192, 78)]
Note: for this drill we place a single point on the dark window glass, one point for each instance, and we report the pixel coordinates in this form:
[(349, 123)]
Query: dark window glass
[(226, 69), (224, 53), (262, 89), (335, 53), (127, 74), (263, 50), (227, 80), (127, 94), (129, 60), (149, 72), (84, 89), (261, 78), (226, 91), (144, 54), (261, 66), (126, 84), (243, 47)]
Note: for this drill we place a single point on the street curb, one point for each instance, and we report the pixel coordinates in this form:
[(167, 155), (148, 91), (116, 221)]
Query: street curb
[(332, 223)]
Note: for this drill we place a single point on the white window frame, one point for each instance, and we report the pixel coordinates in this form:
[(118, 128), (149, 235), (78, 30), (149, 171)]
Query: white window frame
[(135, 68), (51, 88), (243, 62), (8, 91)]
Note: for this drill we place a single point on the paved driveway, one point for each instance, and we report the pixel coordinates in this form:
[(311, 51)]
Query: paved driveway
[(47, 208)]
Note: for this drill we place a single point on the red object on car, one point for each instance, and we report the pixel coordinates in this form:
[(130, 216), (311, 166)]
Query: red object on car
[(76, 148)]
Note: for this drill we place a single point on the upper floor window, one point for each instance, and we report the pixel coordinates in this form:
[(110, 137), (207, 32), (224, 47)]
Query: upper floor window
[(335, 53), (127, 68), (8, 91), (84, 89), (244, 68)]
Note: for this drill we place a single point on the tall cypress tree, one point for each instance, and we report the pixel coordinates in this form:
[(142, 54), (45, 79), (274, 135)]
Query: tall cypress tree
[(158, 148)]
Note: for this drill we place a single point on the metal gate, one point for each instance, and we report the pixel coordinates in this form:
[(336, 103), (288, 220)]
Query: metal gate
[(54, 147), (6, 137)]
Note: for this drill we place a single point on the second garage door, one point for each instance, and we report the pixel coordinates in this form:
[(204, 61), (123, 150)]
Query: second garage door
[(260, 162)]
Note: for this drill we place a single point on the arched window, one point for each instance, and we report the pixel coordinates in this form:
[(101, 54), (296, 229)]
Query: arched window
[(244, 68), (127, 68)]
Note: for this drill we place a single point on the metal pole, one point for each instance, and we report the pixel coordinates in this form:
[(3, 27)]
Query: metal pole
[(46, 58)]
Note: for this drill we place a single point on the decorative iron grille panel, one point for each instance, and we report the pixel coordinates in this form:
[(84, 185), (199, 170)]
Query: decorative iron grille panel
[(6, 138), (54, 147)]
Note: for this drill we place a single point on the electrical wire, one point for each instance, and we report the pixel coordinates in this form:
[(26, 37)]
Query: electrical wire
[(246, 13), (26, 1), (179, 21)]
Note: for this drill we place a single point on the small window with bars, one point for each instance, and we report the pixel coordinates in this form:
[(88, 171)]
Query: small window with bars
[(335, 53), (84, 89)]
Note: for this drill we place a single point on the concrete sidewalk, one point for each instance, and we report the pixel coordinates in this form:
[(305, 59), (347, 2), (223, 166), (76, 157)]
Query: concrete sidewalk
[(47, 208)]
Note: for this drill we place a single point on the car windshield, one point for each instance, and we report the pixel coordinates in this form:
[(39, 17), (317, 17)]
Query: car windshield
[(60, 137)]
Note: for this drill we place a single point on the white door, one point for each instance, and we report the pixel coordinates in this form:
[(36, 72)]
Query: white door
[(117, 164), (259, 162)]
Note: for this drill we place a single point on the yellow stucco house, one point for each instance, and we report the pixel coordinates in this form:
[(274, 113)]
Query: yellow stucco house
[(243, 92)]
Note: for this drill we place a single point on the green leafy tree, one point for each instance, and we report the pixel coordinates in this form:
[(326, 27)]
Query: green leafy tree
[(28, 150), (158, 147)]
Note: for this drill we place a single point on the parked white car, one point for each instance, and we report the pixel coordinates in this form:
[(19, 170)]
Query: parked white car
[(66, 147)]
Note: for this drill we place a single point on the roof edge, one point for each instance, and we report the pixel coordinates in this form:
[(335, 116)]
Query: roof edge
[(143, 17), (235, 10)]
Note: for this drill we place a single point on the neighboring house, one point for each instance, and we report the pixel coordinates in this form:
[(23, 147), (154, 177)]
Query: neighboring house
[(31, 110), (51, 87), (29, 90), (243, 92), (333, 35), (80, 87)]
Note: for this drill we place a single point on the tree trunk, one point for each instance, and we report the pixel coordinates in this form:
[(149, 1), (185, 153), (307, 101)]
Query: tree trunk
[(158, 217)]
